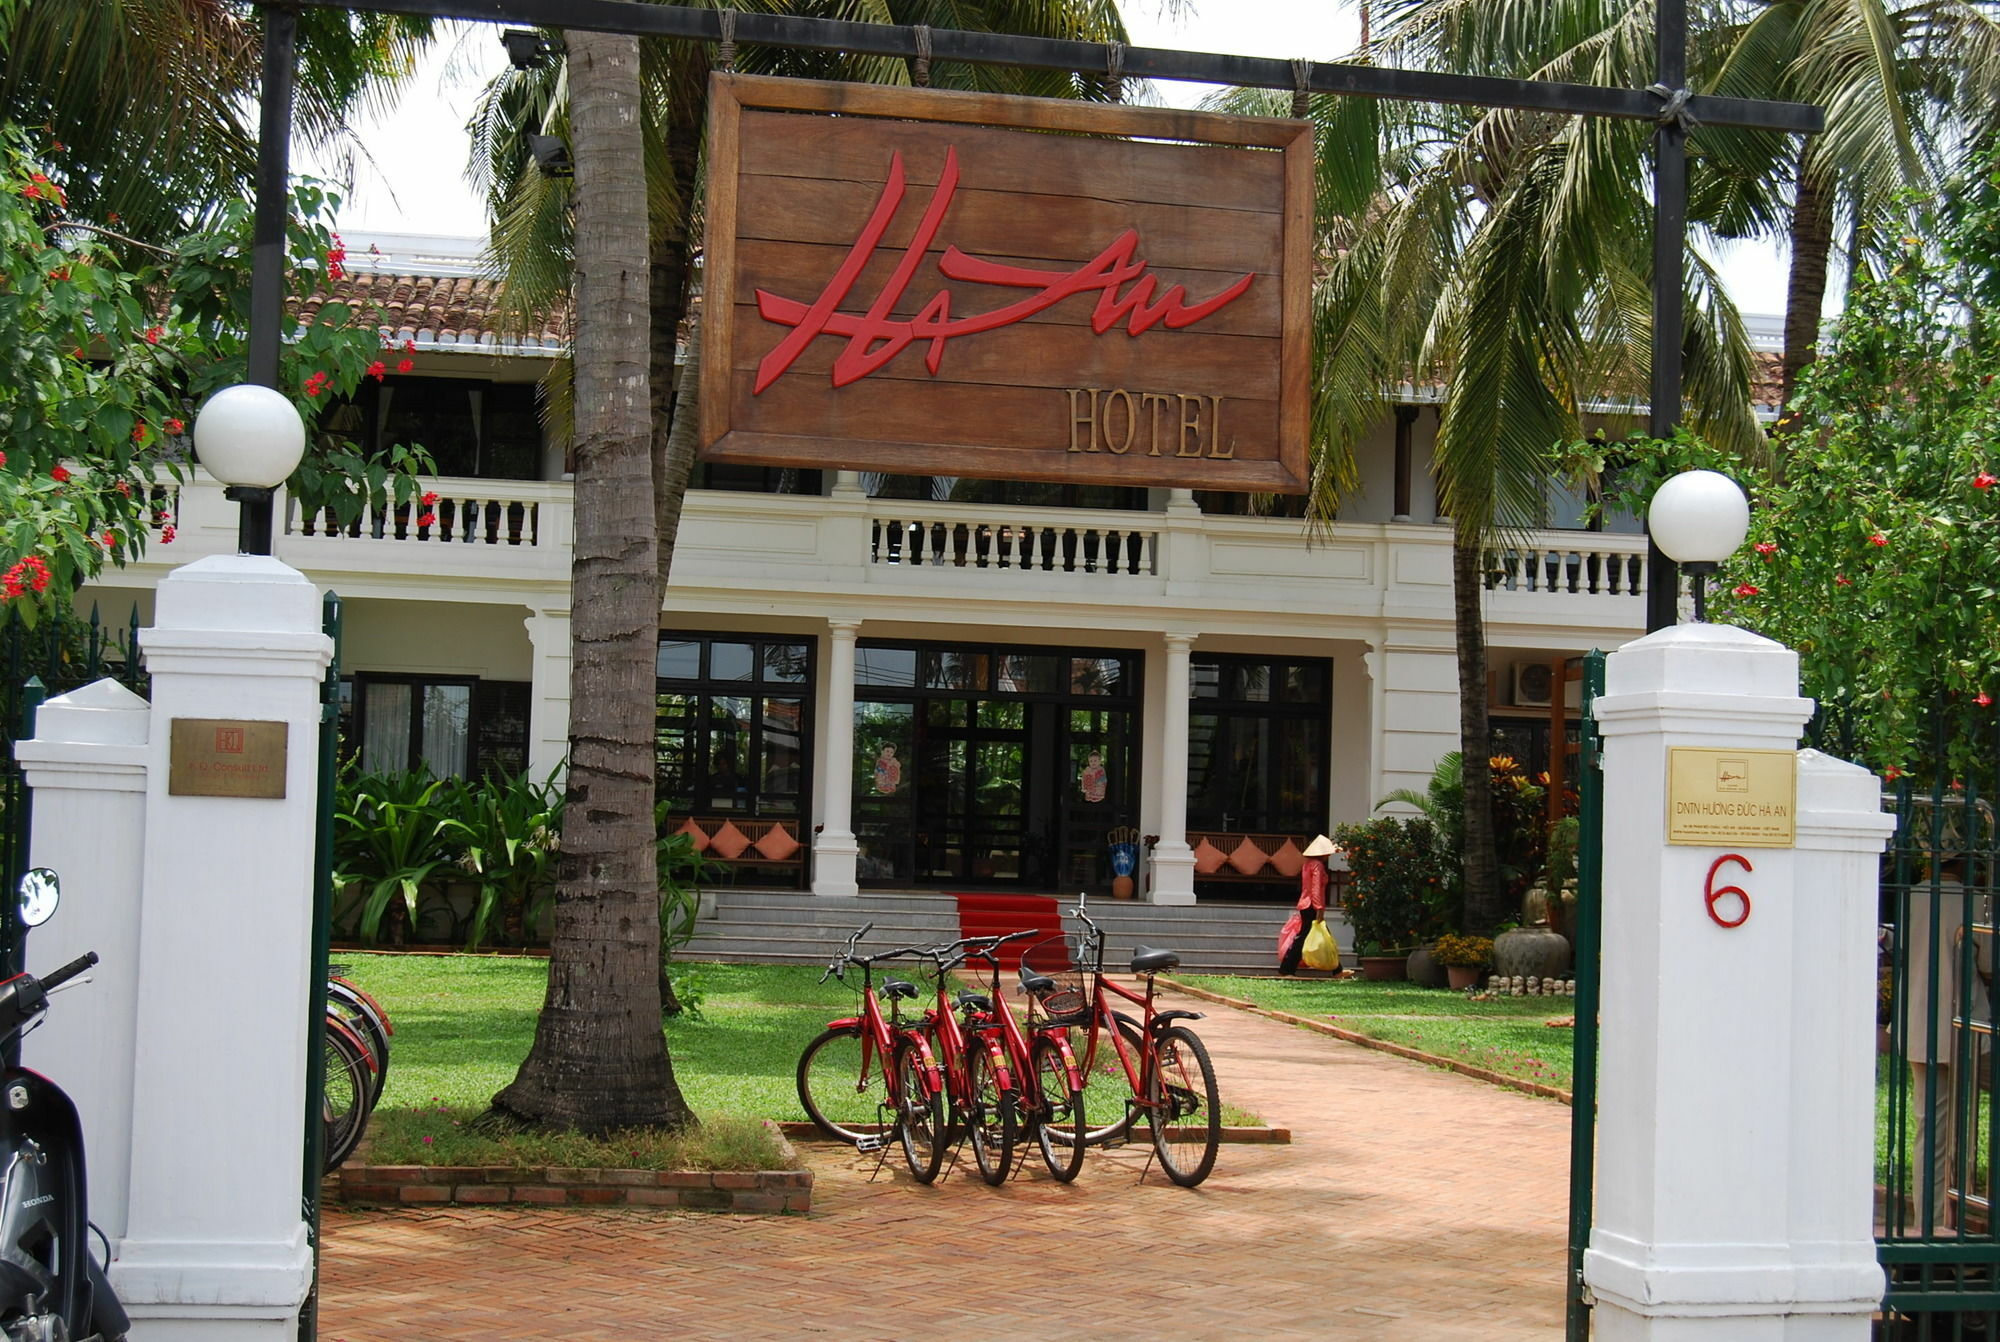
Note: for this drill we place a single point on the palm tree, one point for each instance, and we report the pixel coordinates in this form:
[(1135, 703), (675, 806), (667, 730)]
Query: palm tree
[(561, 1083), (152, 101), (1505, 255), (599, 1061)]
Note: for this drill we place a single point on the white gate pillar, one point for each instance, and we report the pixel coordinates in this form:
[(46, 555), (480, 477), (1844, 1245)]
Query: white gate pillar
[(1736, 1108), (1173, 860), (836, 855), (215, 1245)]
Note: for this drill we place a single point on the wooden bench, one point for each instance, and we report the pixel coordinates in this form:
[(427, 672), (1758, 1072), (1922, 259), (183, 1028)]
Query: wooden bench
[(748, 847), (1263, 859)]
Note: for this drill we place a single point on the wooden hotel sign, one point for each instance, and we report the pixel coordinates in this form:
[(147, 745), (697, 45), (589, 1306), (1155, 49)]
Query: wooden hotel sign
[(939, 283)]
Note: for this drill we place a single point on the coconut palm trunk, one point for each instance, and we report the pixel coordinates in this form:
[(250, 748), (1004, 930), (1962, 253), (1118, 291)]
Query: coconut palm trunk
[(1485, 899), (599, 1061)]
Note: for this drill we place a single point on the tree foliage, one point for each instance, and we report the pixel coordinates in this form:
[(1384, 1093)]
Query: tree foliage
[(107, 360)]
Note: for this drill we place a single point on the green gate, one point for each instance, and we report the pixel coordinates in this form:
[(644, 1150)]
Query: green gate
[(1936, 1146), (315, 1124), (1589, 939)]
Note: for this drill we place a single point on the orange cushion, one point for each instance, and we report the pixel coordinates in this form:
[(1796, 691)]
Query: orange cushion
[(1208, 859), (777, 845), (1248, 858), (1288, 859), (700, 835), (729, 842)]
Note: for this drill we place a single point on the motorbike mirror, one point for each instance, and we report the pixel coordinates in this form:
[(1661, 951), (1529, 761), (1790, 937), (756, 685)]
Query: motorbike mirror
[(40, 890)]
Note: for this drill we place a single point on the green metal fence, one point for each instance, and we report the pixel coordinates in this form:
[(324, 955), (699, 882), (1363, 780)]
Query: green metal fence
[(1937, 1146), (315, 1124), (1589, 940)]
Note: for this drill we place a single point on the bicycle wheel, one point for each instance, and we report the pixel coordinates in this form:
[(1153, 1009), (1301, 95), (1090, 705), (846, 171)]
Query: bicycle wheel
[(919, 1114), (993, 1116), (1060, 1111), (1185, 1112), (1112, 1087), (344, 1103), (841, 1102), (369, 1023)]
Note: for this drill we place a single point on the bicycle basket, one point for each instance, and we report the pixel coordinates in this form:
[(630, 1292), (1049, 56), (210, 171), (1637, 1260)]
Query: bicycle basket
[(1068, 1002)]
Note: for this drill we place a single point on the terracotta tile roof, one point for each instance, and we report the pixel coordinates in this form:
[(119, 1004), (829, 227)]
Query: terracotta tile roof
[(438, 311)]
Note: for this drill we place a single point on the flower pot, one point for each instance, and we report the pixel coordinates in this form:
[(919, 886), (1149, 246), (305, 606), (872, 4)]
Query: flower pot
[(1530, 952), (1463, 976), (1385, 968), (1422, 969), (1121, 887)]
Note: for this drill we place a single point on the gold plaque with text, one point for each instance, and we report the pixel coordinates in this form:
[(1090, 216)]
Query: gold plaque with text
[(1731, 798), (221, 757)]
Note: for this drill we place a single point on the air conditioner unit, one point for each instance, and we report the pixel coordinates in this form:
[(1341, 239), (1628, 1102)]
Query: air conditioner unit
[(1534, 684)]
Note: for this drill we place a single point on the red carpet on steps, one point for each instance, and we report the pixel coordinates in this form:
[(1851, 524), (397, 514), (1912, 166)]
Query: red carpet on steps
[(998, 915)]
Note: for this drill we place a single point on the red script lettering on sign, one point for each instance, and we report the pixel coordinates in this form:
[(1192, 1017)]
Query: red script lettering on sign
[(874, 338)]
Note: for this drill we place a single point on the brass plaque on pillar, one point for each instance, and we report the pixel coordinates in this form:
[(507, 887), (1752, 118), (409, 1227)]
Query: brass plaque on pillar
[(222, 757), (1731, 798)]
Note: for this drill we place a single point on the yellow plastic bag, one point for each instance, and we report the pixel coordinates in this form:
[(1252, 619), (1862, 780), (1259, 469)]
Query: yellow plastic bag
[(1321, 951)]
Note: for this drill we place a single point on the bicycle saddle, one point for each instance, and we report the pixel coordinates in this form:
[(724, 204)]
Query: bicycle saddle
[(1038, 984), (898, 988), (1146, 960), (977, 1001)]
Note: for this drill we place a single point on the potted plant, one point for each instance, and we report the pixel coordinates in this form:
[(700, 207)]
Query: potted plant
[(1464, 958), (1393, 878)]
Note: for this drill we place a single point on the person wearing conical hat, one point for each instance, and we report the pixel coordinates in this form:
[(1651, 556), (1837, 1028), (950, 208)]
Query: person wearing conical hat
[(1311, 905)]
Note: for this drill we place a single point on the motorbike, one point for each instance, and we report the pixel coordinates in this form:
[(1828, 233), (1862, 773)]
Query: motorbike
[(51, 1287)]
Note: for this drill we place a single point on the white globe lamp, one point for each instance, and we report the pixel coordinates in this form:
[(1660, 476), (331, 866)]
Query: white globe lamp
[(251, 439), (1698, 519)]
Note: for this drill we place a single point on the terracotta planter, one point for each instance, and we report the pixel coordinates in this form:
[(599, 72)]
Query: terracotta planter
[(1385, 968), (1463, 976)]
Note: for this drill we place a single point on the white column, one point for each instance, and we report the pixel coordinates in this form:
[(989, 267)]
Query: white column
[(1173, 860), (847, 484), (1736, 1100), (87, 766), (835, 853), (548, 709), (215, 1245)]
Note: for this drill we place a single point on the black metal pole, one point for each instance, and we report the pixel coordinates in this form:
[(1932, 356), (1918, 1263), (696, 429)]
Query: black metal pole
[(1669, 253), (267, 245)]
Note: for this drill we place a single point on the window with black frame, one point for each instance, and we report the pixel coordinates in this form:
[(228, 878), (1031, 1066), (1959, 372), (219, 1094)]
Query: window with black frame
[(447, 726), (1258, 741), (733, 727)]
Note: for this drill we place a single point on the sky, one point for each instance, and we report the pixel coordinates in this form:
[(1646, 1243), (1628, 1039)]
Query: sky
[(409, 168)]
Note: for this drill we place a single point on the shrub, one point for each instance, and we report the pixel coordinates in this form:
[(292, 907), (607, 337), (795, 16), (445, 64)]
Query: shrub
[(1395, 877), (1455, 951)]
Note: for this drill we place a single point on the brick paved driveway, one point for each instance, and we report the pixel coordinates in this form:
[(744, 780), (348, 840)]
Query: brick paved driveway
[(1413, 1205)]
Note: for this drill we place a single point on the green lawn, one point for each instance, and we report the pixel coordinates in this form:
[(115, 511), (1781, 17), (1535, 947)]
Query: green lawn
[(464, 1023), (1507, 1035)]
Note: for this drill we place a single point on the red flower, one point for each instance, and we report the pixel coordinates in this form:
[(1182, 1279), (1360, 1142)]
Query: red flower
[(427, 520), (1984, 699), (32, 191), (167, 536), (405, 365), (378, 370), (1766, 548), (59, 273), (110, 539), (139, 432), (124, 487), (1892, 773), (316, 383), (1842, 580), (409, 347), (1743, 589), (59, 474), (428, 499), (1878, 539), (175, 427), (153, 334), (1985, 481)]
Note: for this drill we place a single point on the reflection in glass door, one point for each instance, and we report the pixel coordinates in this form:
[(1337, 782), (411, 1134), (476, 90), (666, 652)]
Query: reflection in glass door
[(985, 766)]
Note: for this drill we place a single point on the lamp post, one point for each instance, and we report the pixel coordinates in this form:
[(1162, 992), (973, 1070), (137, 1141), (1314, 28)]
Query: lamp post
[(1698, 518), (251, 438)]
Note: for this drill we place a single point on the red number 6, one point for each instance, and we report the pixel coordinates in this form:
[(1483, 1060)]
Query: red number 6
[(1710, 894)]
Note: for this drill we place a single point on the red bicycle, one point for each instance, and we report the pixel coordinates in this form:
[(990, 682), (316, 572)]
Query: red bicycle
[(869, 1079), (1048, 1085), (1166, 1066), (978, 1085)]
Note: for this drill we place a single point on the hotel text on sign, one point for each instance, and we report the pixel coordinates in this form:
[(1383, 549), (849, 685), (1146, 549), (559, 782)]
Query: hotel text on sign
[(932, 283), (1731, 798), (220, 757)]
